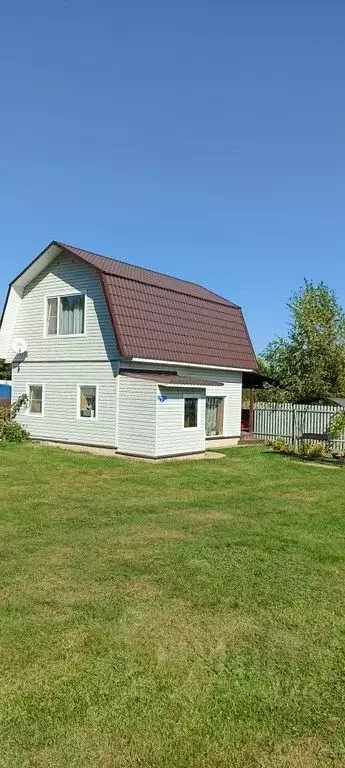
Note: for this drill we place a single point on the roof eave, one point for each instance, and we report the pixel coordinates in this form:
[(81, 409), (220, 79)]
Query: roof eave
[(190, 365)]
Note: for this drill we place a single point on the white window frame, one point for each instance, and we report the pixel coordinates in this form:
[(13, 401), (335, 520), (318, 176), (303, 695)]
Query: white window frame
[(35, 384), (218, 397), (90, 419), (188, 396), (59, 335)]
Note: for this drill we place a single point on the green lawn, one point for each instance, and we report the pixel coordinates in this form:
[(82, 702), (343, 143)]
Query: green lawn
[(187, 614)]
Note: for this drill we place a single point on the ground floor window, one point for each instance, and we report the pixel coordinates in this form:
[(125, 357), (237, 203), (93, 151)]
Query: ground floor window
[(190, 412), (35, 399), (87, 402), (214, 416)]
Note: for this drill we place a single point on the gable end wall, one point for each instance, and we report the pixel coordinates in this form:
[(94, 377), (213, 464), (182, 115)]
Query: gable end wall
[(64, 276)]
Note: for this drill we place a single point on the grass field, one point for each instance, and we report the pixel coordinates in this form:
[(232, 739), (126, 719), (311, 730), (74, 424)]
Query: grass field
[(187, 614)]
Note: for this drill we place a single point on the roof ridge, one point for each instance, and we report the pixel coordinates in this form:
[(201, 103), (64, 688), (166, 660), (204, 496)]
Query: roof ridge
[(147, 269)]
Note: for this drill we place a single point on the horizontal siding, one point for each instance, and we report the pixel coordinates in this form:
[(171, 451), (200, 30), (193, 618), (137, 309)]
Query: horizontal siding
[(137, 416), (231, 390), (8, 324), (60, 381), (66, 275), (172, 437)]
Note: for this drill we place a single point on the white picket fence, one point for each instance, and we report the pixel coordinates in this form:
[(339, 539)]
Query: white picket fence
[(290, 421)]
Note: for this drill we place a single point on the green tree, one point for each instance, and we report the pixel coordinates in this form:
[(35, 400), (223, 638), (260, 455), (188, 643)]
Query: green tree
[(310, 363), (5, 370)]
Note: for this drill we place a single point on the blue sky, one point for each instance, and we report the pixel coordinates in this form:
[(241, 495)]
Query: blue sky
[(203, 138)]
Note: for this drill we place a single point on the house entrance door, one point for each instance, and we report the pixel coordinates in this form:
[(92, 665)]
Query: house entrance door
[(214, 416)]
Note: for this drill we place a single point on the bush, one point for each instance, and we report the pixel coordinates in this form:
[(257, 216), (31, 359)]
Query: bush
[(336, 425), (304, 449), (282, 446), (279, 445), (317, 450), (312, 450), (10, 430)]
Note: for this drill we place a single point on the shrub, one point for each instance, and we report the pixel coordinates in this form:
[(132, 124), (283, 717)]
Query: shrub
[(317, 450), (336, 425), (290, 448), (312, 450), (279, 445), (303, 449), (10, 430)]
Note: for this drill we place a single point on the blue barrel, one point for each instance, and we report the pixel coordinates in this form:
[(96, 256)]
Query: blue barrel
[(5, 390)]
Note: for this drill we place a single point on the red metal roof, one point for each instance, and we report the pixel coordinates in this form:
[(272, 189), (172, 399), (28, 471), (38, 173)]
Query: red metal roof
[(172, 380), (144, 276), (158, 317)]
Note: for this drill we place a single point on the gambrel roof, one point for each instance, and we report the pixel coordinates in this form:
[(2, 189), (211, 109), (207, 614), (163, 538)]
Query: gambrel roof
[(158, 317)]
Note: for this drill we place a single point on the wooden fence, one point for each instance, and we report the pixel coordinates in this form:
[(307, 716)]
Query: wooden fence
[(290, 421)]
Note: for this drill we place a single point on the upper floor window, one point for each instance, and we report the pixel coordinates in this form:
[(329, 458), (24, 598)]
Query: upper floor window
[(65, 315)]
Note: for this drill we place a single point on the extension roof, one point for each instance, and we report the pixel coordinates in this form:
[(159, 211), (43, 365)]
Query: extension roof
[(172, 379), (158, 317)]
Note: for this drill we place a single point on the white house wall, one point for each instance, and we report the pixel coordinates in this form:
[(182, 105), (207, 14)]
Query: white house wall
[(137, 416), (231, 389), (64, 276), (172, 437), (8, 324), (62, 363), (60, 401)]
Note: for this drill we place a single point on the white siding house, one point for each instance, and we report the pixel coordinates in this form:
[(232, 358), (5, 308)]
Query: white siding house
[(116, 356)]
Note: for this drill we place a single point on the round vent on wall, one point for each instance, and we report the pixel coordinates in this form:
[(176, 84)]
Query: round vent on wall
[(19, 346)]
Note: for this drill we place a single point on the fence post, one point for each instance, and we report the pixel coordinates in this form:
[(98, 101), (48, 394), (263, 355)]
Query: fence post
[(251, 411)]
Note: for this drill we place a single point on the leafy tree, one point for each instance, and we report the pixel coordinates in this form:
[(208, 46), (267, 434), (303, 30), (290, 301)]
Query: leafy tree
[(5, 370), (310, 363)]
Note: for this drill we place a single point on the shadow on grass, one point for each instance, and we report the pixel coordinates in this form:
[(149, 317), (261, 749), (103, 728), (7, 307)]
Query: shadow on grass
[(315, 460)]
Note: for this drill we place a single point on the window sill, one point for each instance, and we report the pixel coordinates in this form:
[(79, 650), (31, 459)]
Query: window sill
[(88, 419), (55, 336)]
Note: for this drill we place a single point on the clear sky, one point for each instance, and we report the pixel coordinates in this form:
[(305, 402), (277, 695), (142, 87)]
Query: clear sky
[(203, 138)]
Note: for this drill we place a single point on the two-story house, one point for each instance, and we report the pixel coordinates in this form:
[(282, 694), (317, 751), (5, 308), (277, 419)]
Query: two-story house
[(114, 355)]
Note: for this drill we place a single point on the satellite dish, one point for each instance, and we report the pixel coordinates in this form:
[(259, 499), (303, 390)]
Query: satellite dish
[(19, 346)]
